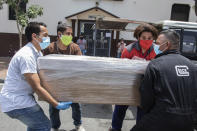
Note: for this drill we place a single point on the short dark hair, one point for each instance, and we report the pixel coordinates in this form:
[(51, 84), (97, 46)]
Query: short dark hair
[(145, 27), (61, 27), (33, 27), (172, 36)]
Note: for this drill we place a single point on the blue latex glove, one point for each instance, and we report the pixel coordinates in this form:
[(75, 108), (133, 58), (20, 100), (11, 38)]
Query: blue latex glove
[(63, 105)]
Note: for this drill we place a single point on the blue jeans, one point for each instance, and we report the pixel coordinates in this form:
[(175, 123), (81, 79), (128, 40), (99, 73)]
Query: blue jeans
[(55, 116), (83, 52), (119, 115), (33, 117)]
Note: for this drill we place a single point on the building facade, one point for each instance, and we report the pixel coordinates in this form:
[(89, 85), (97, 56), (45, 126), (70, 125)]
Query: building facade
[(82, 15)]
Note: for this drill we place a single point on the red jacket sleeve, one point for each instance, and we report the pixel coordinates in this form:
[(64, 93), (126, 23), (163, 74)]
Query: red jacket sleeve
[(125, 54)]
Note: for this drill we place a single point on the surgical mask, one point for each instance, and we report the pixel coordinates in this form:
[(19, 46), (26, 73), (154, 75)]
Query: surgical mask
[(145, 44), (45, 42), (157, 50), (66, 40)]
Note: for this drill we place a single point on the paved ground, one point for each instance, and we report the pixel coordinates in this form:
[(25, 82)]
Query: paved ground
[(94, 117)]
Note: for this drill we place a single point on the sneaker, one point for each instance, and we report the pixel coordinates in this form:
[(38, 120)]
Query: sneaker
[(79, 128), (111, 129)]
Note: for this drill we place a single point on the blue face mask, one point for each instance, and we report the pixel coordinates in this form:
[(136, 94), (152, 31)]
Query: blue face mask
[(156, 49), (45, 43)]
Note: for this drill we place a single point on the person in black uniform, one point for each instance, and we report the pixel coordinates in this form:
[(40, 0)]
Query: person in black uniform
[(169, 88)]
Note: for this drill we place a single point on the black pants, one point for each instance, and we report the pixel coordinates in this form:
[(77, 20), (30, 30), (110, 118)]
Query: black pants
[(55, 115), (162, 121), (195, 121), (119, 115)]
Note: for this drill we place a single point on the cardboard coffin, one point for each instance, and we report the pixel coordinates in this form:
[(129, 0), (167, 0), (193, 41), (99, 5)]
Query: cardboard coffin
[(98, 80)]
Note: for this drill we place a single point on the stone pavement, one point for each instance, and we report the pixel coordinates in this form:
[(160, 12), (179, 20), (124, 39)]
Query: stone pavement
[(94, 118)]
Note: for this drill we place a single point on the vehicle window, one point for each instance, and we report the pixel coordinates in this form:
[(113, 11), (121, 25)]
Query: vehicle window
[(189, 42)]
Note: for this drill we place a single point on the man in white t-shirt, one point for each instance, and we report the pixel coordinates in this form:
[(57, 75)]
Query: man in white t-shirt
[(22, 80)]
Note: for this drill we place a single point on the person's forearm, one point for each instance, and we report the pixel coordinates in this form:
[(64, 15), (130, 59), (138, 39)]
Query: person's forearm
[(46, 96), (34, 80)]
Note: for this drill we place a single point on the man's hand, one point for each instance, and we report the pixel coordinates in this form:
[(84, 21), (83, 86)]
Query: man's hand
[(138, 58), (63, 105)]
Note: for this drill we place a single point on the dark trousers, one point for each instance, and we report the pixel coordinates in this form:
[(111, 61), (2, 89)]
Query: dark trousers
[(55, 116), (195, 121), (162, 121), (119, 115)]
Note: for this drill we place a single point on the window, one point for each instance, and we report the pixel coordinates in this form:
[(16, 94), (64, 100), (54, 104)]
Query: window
[(189, 41), (189, 44), (12, 14), (180, 12)]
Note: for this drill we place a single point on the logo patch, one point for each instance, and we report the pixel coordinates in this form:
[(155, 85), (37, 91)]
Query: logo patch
[(182, 70)]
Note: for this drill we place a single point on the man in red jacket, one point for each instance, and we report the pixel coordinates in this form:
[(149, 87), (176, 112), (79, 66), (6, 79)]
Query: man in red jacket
[(143, 48)]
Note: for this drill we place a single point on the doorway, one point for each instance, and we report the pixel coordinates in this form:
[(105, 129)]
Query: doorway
[(98, 41)]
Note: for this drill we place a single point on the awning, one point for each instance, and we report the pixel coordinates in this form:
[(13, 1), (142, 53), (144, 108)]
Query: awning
[(115, 23)]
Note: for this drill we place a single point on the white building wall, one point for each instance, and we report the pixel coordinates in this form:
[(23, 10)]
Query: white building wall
[(141, 10)]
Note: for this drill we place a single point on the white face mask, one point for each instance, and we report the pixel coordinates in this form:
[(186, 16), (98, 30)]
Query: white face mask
[(45, 42), (156, 48)]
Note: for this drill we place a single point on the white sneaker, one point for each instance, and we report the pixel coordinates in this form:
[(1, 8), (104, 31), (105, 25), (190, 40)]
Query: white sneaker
[(79, 128)]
